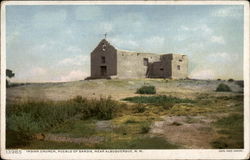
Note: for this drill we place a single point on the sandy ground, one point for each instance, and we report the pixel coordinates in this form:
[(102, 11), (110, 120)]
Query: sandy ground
[(177, 129), (117, 89)]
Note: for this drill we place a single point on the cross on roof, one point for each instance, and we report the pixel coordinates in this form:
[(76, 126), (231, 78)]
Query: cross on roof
[(105, 35)]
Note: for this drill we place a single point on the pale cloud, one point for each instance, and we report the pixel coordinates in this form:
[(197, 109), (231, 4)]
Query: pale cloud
[(155, 40), (219, 55), (196, 45), (40, 47), (229, 11), (218, 39), (87, 12), (185, 28), (106, 27), (196, 35), (203, 74), (13, 36), (197, 28), (123, 43), (74, 76), (205, 29), (69, 32), (223, 58), (44, 46), (49, 19), (38, 71), (36, 74), (75, 60), (73, 49), (154, 43), (129, 22), (180, 37)]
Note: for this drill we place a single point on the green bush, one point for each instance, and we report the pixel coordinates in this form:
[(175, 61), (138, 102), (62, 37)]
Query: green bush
[(139, 108), (146, 90), (105, 108), (145, 128), (131, 121), (231, 131), (30, 117), (162, 100), (223, 88), (230, 80), (34, 116)]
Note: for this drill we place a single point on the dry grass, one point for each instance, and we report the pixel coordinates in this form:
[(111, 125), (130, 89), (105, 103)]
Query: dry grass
[(184, 124)]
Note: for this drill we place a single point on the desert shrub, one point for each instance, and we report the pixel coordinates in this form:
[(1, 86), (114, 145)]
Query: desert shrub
[(233, 121), (188, 110), (143, 142), (158, 100), (231, 129), (105, 108), (230, 80), (79, 99), (145, 128), (223, 88), (139, 108), (218, 79), (146, 90), (31, 117), (219, 144), (168, 105), (240, 83), (130, 121), (16, 139)]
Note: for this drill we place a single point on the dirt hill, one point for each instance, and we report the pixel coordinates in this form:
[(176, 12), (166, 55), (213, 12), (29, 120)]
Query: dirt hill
[(117, 89)]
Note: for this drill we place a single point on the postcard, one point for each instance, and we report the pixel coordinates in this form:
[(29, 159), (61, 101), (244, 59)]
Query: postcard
[(125, 80)]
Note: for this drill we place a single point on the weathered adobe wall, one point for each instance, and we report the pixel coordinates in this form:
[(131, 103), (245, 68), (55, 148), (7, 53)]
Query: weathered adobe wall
[(155, 70), (110, 59), (182, 71), (162, 69), (131, 64), (126, 64)]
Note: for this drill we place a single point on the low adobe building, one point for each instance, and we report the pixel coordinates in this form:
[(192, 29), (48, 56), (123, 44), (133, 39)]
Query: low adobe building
[(109, 62)]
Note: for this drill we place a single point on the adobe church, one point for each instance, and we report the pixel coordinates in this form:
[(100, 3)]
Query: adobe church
[(109, 62)]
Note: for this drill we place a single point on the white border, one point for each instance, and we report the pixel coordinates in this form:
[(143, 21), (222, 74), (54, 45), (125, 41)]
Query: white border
[(146, 154)]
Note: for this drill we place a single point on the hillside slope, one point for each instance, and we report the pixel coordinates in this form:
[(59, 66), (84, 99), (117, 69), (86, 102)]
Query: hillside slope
[(117, 89)]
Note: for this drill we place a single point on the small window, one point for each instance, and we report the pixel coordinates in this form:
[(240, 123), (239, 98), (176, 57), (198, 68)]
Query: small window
[(180, 60), (161, 69), (145, 61), (103, 59), (179, 67), (104, 47)]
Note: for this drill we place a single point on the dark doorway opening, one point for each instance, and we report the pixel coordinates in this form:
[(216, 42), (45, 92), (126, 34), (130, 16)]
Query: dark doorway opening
[(145, 61), (103, 70)]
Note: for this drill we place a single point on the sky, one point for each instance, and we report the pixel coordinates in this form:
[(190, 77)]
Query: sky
[(53, 43)]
